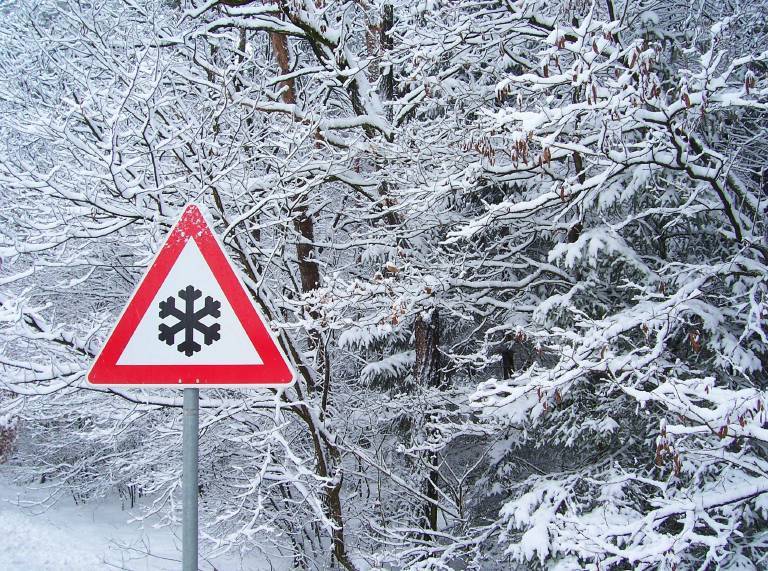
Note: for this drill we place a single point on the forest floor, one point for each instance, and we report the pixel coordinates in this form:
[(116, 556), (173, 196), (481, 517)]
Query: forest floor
[(89, 537)]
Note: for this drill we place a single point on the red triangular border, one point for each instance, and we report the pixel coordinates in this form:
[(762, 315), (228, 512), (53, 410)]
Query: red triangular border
[(275, 369)]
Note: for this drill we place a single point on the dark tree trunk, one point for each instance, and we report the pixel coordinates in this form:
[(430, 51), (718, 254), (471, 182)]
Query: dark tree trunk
[(387, 77), (427, 371), (309, 271)]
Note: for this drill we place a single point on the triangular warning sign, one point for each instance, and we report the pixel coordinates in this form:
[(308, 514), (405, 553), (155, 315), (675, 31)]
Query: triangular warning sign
[(191, 322)]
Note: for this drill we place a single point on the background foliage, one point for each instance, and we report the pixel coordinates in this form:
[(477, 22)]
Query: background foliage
[(516, 249)]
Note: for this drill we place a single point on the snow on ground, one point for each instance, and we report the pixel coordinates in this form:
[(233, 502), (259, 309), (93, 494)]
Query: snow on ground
[(90, 537)]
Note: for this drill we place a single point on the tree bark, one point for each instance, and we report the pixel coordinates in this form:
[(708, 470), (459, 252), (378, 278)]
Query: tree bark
[(427, 368), (309, 271), (428, 372)]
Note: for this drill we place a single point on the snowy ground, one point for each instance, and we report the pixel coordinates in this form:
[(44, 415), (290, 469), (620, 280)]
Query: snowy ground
[(87, 537)]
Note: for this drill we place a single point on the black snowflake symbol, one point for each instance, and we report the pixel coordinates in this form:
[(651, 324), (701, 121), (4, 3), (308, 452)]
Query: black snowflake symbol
[(189, 320)]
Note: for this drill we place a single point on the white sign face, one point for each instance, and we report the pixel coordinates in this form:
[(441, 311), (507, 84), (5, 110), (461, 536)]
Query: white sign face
[(231, 345)]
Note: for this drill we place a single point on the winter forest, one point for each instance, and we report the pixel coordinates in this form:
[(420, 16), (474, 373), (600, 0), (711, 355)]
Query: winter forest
[(516, 251)]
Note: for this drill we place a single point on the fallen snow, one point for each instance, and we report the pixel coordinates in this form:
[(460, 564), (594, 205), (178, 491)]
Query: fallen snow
[(89, 537)]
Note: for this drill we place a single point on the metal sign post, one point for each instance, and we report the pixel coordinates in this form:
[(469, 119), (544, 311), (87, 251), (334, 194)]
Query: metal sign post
[(189, 484)]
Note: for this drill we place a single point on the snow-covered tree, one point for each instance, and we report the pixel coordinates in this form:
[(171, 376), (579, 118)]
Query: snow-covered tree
[(622, 256), (516, 250)]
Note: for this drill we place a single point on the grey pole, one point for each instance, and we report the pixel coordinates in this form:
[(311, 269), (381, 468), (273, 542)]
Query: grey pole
[(189, 480)]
